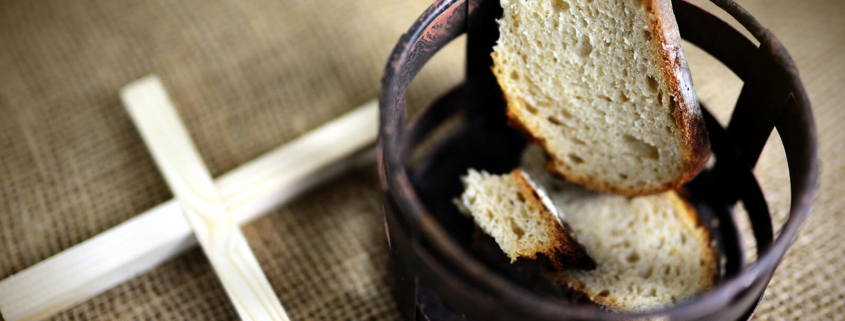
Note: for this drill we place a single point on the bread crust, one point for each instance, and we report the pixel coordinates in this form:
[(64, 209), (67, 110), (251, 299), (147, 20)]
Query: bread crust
[(691, 131), (710, 258), (666, 44), (567, 252)]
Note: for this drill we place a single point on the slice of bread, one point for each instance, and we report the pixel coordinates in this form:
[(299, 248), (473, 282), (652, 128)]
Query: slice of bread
[(521, 218), (650, 251), (604, 88)]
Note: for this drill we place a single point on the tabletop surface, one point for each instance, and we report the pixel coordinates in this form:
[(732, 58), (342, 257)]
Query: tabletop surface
[(248, 76)]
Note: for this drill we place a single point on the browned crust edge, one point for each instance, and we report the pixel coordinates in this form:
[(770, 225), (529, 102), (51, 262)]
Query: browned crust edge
[(566, 252), (666, 44), (712, 259), (710, 256), (686, 112)]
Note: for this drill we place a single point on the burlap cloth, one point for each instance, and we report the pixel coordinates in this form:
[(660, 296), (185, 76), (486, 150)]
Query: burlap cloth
[(248, 76)]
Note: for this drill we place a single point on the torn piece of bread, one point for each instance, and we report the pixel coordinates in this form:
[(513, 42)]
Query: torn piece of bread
[(650, 251), (521, 218), (604, 88)]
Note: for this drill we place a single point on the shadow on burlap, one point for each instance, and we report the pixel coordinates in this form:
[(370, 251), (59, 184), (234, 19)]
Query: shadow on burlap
[(248, 76)]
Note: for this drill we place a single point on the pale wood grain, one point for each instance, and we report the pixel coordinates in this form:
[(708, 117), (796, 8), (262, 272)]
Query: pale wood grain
[(190, 181), (147, 240)]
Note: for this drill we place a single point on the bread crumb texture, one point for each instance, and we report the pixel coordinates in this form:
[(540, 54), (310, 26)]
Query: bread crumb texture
[(516, 212), (650, 251), (584, 78)]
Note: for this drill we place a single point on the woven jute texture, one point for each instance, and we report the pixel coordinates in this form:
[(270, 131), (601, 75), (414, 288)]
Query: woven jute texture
[(249, 75)]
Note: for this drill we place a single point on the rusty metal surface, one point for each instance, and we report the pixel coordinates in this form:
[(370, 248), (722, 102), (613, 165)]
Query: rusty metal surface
[(429, 255)]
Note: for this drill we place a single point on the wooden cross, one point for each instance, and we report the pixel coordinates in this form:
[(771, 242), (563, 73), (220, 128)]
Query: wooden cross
[(213, 210)]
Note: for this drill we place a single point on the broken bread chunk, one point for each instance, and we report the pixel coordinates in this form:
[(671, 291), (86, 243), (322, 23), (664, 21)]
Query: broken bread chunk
[(520, 217), (650, 251), (604, 88)]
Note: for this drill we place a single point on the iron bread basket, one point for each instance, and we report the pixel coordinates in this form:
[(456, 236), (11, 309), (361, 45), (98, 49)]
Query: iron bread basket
[(436, 274)]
